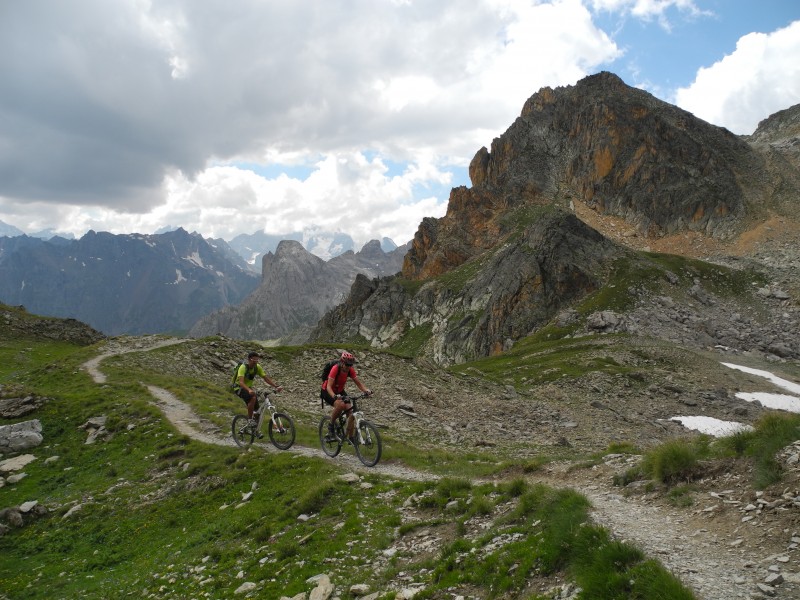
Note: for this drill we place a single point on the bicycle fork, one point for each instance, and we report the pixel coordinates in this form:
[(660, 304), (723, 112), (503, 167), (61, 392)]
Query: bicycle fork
[(277, 424)]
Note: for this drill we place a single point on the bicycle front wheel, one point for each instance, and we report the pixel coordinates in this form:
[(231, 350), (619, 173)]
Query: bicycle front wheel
[(243, 432), (368, 444), (281, 431), (329, 447)]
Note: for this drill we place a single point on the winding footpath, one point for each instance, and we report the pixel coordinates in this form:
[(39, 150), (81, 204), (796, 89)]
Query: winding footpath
[(712, 568)]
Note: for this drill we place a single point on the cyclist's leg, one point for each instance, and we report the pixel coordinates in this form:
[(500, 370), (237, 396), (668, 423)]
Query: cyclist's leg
[(339, 406), (346, 407), (329, 400), (249, 400)]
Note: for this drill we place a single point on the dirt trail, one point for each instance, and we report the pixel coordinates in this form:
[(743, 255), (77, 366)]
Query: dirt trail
[(712, 568), (695, 556)]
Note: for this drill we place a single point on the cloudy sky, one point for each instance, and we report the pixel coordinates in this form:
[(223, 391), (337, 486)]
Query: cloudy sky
[(233, 116)]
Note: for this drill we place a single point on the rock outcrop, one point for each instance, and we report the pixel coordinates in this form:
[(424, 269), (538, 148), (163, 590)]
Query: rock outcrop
[(492, 301), (17, 322), (20, 436)]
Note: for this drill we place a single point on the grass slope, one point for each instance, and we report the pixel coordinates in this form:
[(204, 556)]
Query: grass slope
[(151, 513)]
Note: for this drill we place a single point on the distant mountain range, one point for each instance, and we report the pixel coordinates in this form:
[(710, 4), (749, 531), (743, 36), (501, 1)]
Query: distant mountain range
[(326, 245), (123, 284), (297, 288), (249, 246), (165, 283), (46, 234)]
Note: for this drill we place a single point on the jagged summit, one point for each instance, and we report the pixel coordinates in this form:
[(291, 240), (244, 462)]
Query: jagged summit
[(616, 150)]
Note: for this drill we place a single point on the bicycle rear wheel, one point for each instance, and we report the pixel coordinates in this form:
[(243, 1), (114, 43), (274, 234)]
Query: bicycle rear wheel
[(368, 444), (329, 447), (243, 432), (282, 434)]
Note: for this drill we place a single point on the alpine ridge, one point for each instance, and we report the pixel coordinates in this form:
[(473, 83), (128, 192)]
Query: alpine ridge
[(123, 284)]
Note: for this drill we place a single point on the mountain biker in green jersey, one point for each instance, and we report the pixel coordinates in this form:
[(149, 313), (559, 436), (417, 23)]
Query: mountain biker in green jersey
[(245, 377)]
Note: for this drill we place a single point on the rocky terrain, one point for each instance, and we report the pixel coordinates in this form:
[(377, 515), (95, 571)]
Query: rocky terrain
[(730, 541)]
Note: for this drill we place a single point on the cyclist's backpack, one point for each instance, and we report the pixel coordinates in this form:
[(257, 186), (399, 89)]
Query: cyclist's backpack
[(326, 370), (235, 378)]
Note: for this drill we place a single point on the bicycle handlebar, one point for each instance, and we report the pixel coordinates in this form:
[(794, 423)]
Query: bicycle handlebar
[(352, 400)]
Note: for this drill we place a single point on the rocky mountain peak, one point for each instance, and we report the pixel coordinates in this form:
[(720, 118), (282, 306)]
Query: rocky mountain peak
[(618, 151), (288, 253), (372, 250), (297, 288)]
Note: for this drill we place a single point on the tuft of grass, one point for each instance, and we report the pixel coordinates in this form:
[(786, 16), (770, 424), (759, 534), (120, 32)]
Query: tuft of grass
[(771, 433), (671, 462), (514, 488), (447, 490), (315, 498), (607, 569), (622, 448), (681, 496)]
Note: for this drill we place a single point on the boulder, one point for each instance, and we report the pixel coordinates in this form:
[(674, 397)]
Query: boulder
[(20, 436)]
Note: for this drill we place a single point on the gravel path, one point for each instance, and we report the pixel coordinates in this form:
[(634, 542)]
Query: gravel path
[(712, 572)]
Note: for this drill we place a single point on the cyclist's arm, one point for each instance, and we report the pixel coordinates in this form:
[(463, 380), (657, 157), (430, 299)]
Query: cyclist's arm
[(329, 387), (361, 386), (271, 382)]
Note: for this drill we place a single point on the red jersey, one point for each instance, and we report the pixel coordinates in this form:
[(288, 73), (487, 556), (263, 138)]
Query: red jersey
[(339, 379)]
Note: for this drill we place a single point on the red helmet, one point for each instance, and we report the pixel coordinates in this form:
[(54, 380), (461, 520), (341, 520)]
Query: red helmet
[(348, 358)]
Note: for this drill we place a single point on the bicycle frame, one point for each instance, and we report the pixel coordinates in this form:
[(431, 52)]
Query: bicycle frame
[(365, 438), (267, 405), (357, 417), (281, 427)]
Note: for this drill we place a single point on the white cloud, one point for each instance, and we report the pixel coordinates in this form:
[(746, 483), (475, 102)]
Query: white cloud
[(133, 115), (761, 77)]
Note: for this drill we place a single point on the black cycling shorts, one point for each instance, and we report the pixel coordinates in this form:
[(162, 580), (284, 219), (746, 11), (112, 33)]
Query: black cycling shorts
[(246, 397), (327, 398)]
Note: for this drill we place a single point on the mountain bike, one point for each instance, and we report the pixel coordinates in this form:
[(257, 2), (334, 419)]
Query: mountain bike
[(364, 435), (281, 426)]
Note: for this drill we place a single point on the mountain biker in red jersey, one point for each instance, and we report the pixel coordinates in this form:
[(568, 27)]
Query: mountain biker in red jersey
[(333, 392)]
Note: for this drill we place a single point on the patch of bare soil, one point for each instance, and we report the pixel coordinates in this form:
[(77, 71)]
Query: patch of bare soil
[(776, 230)]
